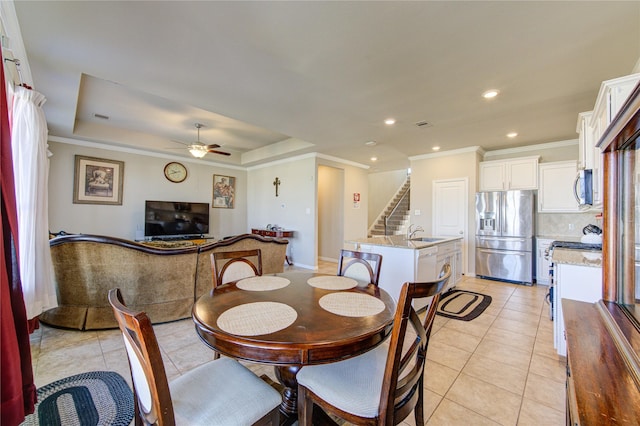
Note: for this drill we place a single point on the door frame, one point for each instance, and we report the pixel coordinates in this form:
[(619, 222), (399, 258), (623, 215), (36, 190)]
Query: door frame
[(465, 238)]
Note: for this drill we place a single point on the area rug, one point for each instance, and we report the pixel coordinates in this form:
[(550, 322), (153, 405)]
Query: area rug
[(94, 398), (463, 305)]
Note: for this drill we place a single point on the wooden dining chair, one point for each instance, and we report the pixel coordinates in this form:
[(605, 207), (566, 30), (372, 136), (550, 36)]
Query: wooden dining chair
[(360, 265), (382, 386), (229, 266), (221, 392)]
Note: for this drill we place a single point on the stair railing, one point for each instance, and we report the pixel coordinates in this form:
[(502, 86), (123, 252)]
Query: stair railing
[(406, 194)]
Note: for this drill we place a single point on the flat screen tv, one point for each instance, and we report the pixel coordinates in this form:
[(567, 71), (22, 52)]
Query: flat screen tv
[(166, 219)]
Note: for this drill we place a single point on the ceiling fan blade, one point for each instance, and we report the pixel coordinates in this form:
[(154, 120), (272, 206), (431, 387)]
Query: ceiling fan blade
[(218, 152), (213, 146)]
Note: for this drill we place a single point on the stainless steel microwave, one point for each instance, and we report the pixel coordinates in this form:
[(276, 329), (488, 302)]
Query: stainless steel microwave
[(583, 188)]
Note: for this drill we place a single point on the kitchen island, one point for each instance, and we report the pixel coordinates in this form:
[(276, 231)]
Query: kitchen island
[(413, 260)]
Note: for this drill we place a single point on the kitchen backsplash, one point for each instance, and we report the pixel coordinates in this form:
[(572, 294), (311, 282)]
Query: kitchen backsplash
[(564, 224)]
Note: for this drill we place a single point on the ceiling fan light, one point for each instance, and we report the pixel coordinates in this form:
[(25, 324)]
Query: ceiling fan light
[(198, 151)]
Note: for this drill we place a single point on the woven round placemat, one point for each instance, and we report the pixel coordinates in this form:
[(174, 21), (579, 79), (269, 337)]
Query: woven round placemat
[(262, 283), (351, 304), (331, 282), (254, 319)]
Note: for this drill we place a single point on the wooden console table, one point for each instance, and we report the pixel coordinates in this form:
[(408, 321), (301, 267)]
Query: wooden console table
[(282, 233), (602, 385)]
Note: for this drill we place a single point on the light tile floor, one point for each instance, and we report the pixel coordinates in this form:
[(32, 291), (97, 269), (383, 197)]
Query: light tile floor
[(498, 369)]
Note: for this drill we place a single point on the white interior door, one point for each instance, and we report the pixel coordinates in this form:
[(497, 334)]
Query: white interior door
[(450, 201)]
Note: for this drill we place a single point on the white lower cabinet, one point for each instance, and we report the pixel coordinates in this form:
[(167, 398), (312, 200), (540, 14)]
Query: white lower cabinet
[(542, 264), (400, 265), (575, 282), (450, 253)]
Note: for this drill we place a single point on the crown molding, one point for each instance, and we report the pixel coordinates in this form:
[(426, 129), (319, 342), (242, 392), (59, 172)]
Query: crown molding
[(343, 161), (529, 148), (97, 145), (316, 155), (476, 149)]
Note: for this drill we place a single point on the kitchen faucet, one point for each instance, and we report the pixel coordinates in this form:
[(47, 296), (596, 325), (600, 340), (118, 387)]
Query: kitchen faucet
[(411, 233)]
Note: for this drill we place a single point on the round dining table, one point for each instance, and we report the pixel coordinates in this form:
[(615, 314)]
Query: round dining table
[(294, 319)]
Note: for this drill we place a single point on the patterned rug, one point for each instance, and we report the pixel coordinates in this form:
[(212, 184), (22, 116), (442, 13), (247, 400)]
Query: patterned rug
[(463, 305), (94, 398)]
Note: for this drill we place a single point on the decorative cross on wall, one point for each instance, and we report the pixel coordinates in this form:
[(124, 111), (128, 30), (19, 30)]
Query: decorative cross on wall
[(276, 183)]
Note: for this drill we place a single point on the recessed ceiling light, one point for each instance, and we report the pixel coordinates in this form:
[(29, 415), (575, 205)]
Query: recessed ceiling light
[(512, 135), (436, 148), (390, 121), (490, 94), (371, 143), (374, 158)]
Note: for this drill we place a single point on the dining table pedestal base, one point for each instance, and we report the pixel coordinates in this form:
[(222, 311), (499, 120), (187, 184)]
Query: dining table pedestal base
[(286, 375)]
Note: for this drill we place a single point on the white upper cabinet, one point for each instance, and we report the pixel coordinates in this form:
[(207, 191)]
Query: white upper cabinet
[(611, 97), (589, 156), (502, 175), (586, 144), (555, 192), (592, 124)]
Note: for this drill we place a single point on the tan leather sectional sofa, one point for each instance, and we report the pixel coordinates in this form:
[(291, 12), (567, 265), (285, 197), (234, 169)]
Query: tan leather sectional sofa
[(164, 282)]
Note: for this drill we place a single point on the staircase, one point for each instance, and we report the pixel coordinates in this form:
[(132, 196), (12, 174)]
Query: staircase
[(396, 213)]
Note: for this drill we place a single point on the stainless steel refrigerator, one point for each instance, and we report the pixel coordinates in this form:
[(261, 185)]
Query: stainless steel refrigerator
[(504, 235)]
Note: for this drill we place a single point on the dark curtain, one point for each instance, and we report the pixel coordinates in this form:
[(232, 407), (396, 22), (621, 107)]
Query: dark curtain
[(18, 390)]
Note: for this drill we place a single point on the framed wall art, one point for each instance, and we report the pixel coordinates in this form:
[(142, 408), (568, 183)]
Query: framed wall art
[(98, 181), (224, 191)]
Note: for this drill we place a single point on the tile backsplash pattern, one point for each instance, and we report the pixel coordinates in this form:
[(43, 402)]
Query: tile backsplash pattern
[(564, 224)]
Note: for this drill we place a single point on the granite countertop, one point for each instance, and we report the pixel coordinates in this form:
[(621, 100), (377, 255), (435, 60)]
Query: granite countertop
[(577, 257), (560, 237), (400, 241)]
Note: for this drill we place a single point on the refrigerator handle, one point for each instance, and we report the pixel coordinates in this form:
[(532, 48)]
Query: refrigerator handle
[(503, 212), (513, 239), (513, 253)]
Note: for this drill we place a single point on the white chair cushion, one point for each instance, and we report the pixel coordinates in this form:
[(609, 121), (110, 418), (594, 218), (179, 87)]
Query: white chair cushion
[(358, 271), (353, 385), (237, 271), (221, 392)]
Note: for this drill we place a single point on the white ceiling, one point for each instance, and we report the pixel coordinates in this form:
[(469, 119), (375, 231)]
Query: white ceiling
[(271, 79)]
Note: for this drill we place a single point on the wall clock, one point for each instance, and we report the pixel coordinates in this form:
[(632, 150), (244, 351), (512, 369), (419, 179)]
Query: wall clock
[(175, 172)]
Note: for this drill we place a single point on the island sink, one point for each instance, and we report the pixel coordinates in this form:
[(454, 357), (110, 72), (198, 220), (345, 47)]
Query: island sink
[(428, 239)]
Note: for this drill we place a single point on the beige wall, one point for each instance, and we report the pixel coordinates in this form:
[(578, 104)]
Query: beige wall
[(297, 208), (143, 180), (354, 215), (294, 207), (426, 169), (384, 186), (256, 204)]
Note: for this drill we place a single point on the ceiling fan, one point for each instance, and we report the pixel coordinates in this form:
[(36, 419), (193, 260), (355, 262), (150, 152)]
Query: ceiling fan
[(199, 149)]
